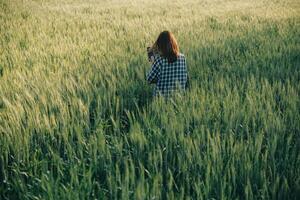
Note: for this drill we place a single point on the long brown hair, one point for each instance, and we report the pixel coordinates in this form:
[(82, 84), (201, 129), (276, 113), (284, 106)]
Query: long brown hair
[(167, 45)]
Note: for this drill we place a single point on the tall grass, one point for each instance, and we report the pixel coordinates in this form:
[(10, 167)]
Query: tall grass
[(77, 120)]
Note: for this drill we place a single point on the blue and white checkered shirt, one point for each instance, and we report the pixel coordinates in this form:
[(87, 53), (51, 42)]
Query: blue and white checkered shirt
[(168, 77)]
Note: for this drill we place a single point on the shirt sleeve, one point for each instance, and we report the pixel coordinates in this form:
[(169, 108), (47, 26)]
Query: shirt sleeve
[(153, 75), (187, 83)]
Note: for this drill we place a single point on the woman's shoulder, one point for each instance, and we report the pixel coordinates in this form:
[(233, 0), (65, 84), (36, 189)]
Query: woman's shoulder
[(158, 58), (181, 56)]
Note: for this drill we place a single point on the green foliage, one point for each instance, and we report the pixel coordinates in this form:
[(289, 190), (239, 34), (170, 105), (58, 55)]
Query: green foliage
[(78, 120)]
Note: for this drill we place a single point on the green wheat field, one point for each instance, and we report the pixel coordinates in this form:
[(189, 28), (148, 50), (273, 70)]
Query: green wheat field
[(78, 120)]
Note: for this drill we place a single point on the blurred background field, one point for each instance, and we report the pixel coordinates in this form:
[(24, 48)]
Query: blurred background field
[(77, 120)]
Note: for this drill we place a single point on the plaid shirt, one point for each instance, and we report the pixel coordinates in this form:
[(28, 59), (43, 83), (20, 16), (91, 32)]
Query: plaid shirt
[(167, 76)]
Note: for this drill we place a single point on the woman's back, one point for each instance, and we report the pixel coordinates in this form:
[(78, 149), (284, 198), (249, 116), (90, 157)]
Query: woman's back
[(169, 77)]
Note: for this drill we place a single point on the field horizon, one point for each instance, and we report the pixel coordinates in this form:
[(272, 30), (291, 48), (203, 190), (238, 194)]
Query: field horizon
[(78, 120)]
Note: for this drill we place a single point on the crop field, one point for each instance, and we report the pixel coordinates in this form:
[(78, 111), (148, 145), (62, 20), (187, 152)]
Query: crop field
[(78, 120)]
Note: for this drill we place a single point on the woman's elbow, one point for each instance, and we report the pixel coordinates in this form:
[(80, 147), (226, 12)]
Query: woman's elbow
[(151, 81)]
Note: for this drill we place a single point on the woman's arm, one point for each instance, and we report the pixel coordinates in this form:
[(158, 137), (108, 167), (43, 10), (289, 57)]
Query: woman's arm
[(153, 75)]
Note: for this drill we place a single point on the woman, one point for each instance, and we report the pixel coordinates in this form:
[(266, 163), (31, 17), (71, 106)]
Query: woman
[(168, 70)]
